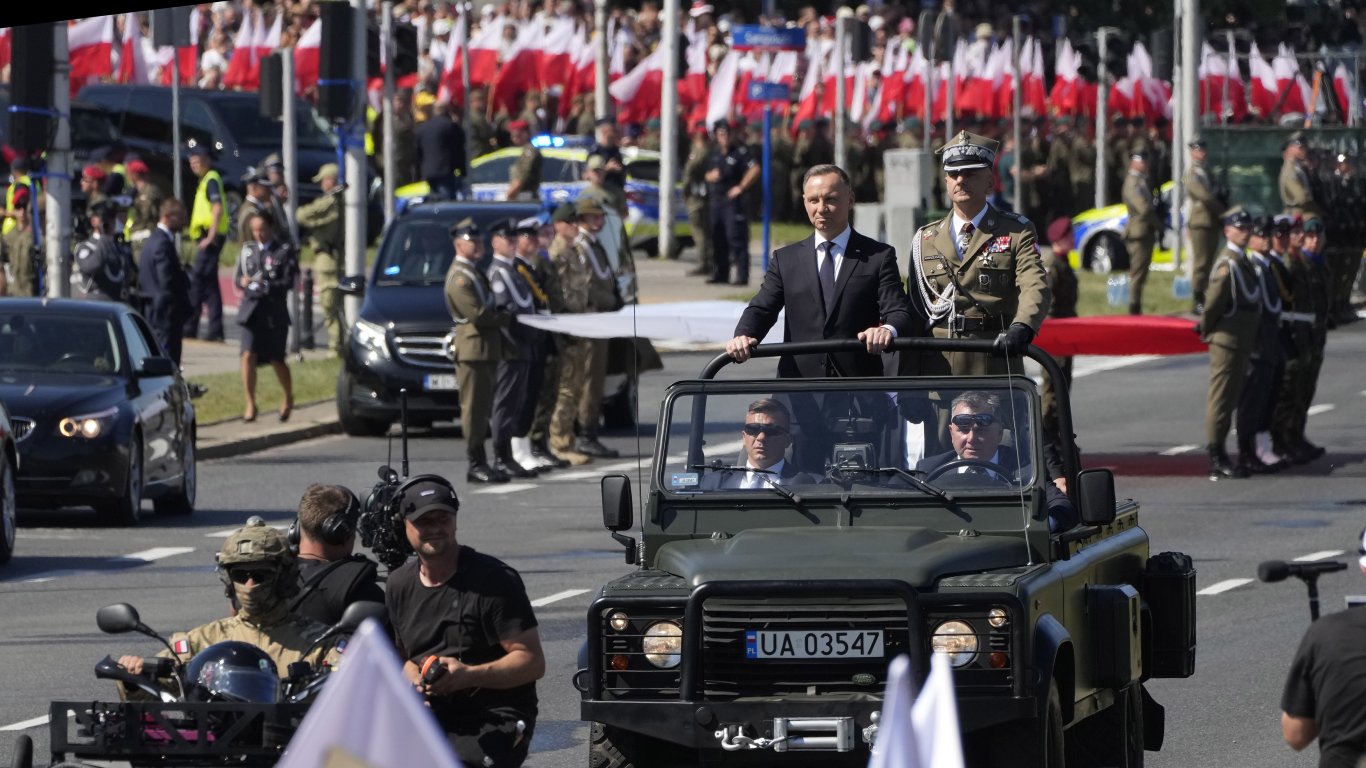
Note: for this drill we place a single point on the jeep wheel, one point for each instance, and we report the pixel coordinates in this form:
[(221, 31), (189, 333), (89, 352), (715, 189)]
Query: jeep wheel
[(353, 423), (610, 747), (1113, 737)]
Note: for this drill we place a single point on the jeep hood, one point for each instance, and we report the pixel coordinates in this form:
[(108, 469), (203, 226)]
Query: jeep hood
[(918, 556)]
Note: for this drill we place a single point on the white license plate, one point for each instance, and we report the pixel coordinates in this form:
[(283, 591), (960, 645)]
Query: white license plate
[(439, 381), (814, 644)]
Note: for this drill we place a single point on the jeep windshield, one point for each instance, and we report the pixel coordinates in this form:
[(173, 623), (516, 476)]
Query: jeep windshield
[(900, 440)]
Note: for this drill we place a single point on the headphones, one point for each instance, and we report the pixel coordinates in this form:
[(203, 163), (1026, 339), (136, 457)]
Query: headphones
[(336, 528), (400, 493)]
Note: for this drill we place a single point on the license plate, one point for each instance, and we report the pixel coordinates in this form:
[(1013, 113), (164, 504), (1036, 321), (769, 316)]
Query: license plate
[(814, 644), (439, 381)]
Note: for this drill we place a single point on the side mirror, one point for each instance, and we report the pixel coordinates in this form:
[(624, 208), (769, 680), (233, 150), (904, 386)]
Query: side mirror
[(617, 508), (1096, 496), (156, 366), (352, 285), (357, 612), (117, 619)]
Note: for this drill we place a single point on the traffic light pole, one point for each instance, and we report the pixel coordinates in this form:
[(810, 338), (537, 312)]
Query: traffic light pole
[(57, 225), (1102, 116), (386, 36), (668, 130), (356, 183), (1017, 99)]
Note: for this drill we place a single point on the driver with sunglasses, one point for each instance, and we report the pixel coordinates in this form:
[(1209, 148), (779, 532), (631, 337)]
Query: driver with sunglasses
[(766, 435), (259, 574)]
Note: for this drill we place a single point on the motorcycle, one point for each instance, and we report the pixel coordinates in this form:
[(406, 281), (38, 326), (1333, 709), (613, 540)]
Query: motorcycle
[(226, 705)]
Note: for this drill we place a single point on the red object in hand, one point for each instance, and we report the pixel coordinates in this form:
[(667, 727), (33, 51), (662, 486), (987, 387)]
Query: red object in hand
[(432, 670)]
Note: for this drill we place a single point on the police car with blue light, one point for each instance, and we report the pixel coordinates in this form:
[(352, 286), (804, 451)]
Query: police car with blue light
[(1099, 234)]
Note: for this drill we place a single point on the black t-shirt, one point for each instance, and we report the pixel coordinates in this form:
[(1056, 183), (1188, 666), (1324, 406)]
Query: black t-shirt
[(326, 588), (467, 617), (1327, 682)]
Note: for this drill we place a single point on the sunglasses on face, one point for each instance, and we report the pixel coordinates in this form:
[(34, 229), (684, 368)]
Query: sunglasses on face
[(258, 575), (769, 430), (961, 173), (966, 421)]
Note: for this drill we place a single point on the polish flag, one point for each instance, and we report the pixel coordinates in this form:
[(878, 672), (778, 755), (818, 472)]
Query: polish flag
[(133, 61), (915, 79), (4, 47), (1064, 95), (91, 43), (616, 58), (243, 51), (1033, 99), (1217, 73), (188, 55), (307, 57), (517, 73), (858, 95), (806, 100), (1292, 90), (451, 87), (554, 60), (1342, 88), (638, 92), (584, 77), (692, 91), (1152, 97), (783, 69), (1263, 79), (721, 95), (974, 96), (889, 95)]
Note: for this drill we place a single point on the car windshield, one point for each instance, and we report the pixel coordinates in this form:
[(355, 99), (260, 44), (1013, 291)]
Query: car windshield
[(418, 250), (45, 341), (841, 439), (251, 129)]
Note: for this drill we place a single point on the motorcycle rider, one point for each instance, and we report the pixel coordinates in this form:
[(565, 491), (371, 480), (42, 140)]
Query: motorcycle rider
[(260, 574)]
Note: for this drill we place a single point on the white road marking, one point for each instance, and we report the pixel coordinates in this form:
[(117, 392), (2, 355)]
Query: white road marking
[(1316, 556), (509, 488), (1110, 364), (145, 556), (226, 532), (1223, 586), (24, 725), (541, 602), (1178, 450), (1315, 410)]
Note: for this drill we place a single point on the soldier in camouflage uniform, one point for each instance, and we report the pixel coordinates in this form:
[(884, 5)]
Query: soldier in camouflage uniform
[(1059, 177), (554, 239), (911, 135), (1082, 172), (575, 280), (16, 250), (1117, 157), (260, 573), (323, 220), (524, 179), (1140, 232), (695, 198), (481, 135), (146, 208)]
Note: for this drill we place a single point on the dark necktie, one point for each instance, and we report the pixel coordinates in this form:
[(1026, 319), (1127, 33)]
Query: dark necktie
[(827, 275), (964, 237)]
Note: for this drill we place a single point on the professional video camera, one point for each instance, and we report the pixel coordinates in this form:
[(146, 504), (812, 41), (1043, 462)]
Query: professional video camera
[(381, 522)]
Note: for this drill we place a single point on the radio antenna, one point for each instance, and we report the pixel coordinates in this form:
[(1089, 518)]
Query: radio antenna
[(403, 425)]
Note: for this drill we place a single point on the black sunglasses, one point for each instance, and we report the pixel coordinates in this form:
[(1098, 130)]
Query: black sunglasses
[(258, 575), (771, 430), (966, 421), (957, 172)]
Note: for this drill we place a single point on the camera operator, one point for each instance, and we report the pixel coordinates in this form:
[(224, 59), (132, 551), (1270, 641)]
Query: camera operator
[(331, 575), (1325, 692), (105, 264), (266, 272), (471, 612)]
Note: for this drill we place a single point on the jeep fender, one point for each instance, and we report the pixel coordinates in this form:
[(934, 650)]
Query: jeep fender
[(1052, 659)]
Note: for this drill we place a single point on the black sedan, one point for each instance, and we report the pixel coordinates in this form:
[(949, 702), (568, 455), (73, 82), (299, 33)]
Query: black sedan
[(103, 418), (9, 467)]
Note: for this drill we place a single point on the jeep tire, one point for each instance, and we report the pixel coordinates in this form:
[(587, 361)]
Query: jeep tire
[(1113, 737), (610, 747)]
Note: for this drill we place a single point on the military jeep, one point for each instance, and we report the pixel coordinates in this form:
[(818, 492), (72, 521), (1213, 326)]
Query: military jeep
[(766, 606)]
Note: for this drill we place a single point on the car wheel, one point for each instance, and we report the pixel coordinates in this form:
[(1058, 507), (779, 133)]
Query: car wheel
[(1105, 254), (181, 501), (1111, 737), (126, 510), (610, 747), (353, 423), (9, 511)]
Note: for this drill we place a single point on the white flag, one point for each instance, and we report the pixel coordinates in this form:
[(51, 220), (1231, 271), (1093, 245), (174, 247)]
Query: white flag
[(392, 730), (923, 734)]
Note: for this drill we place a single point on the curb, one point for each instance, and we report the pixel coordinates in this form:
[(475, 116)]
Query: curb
[(244, 445)]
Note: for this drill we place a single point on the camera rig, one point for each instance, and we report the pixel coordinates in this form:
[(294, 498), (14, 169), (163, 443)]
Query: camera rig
[(381, 522)]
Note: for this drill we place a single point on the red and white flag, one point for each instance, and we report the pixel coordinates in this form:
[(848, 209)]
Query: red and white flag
[(1065, 96), (1292, 90), (584, 77), (923, 734), (91, 45), (554, 60), (807, 100), (188, 56), (1034, 97), (893, 87), (517, 72), (1263, 80), (452, 87), (243, 52), (308, 57), (5, 38), (721, 97), (1342, 88), (132, 62), (975, 93), (638, 92)]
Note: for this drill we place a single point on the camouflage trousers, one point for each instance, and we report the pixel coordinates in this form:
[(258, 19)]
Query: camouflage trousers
[(550, 389), (573, 375), (1299, 382), (326, 274)]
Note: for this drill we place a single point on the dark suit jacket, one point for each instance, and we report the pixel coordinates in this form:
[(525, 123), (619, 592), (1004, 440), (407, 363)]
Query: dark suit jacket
[(868, 292), (730, 479), (1061, 514), (163, 283)]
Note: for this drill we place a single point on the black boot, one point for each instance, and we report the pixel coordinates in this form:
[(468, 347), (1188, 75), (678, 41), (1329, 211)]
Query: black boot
[(1250, 463), (503, 462), (480, 471), (588, 445), (1221, 467), (540, 451)]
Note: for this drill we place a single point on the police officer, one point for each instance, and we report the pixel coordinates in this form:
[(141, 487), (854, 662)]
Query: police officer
[(1233, 306), (209, 228), (513, 296), (1141, 230), (324, 222), (731, 171), (978, 271), (17, 253), (1296, 195), (479, 327), (695, 198), (524, 179), (572, 275), (260, 574), (332, 575), (105, 265), (1202, 220), (258, 200)]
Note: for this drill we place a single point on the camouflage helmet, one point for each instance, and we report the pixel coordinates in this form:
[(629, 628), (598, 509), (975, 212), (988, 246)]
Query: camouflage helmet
[(256, 542)]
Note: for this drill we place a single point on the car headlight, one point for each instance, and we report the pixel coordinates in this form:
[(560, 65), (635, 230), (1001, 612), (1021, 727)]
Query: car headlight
[(663, 644), (957, 639), (371, 337), (89, 426)]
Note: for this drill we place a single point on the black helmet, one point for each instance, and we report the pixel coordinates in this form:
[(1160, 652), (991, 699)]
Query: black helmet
[(234, 671)]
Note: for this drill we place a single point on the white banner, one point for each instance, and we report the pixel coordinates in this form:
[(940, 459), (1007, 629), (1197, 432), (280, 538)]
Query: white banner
[(693, 322)]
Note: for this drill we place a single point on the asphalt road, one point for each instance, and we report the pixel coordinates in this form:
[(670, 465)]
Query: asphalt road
[(1143, 417)]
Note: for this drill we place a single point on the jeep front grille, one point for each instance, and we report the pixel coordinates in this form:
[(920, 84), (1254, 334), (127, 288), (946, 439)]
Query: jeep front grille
[(424, 350), (22, 427)]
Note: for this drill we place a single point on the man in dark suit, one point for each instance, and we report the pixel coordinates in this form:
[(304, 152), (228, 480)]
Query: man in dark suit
[(162, 280), (441, 152), (766, 435), (837, 284)]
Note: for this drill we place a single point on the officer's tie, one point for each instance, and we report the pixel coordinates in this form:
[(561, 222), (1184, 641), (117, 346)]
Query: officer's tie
[(964, 237), (826, 271)]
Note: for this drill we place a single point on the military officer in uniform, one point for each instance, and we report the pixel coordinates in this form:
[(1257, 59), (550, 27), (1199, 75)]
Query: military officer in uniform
[(1229, 325), (602, 297), (1266, 365), (573, 279), (1059, 164), (479, 331), (524, 182), (323, 220), (513, 296), (978, 271), (258, 200), (16, 249), (1141, 230), (530, 263), (1296, 196), (1082, 172), (1202, 221), (695, 197), (103, 263), (146, 207)]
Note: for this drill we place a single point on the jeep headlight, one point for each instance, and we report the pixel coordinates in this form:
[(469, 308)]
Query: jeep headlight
[(370, 336), (89, 426), (663, 644), (957, 639)]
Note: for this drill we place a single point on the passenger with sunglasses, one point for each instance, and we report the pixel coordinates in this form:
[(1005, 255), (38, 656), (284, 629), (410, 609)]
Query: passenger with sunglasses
[(766, 435)]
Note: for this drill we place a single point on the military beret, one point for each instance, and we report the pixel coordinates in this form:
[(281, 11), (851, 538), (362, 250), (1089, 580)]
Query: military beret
[(1237, 216), (465, 229), (1059, 229), (911, 124), (653, 124), (967, 151), (519, 125), (564, 214), (875, 125), (136, 166), (805, 125), (1314, 226), (93, 172)]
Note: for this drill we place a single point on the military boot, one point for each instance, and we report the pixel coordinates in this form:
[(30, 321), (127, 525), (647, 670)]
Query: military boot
[(1221, 467), (1249, 462), (503, 462), (480, 471), (540, 451), (588, 445)]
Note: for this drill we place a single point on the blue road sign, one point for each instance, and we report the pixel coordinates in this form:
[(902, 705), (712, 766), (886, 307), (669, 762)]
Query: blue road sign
[(765, 91), (746, 37)]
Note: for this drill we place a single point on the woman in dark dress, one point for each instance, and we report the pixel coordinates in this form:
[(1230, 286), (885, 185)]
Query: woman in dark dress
[(266, 272)]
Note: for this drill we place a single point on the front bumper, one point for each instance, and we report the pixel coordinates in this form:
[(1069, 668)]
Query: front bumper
[(375, 385), (58, 471)]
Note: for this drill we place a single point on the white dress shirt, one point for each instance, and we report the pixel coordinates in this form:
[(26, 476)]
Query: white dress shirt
[(839, 244), (756, 479), (958, 226)]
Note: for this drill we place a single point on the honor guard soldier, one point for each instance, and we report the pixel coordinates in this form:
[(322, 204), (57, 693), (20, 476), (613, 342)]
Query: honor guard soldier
[(1232, 313), (324, 221), (1267, 364), (978, 271), (1141, 230), (479, 327), (533, 264), (524, 182), (1202, 221), (512, 294), (258, 200), (103, 262), (1296, 196)]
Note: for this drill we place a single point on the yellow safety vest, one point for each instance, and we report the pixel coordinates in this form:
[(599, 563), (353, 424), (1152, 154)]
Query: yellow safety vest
[(371, 115), (19, 181), (201, 215)]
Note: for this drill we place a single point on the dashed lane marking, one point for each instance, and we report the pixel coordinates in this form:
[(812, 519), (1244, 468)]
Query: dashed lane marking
[(1316, 556), (498, 490), (1112, 364), (24, 725), (1223, 586), (541, 602), (1315, 410), (226, 532), (1178, 450), (136, 558)]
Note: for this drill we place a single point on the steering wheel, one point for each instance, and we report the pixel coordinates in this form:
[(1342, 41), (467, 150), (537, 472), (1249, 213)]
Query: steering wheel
[(1000, 474)]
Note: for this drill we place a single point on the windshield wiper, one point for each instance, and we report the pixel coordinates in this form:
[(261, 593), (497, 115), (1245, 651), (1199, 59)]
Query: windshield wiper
[(943, 496), (762, 473)]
